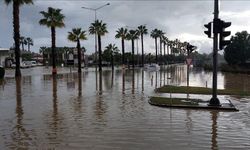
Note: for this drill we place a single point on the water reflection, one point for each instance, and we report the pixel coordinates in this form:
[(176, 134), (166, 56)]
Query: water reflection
[(79, 84), (214, 144), (20, 136), (133, 81), (123, 81), (142, 81), (97, 115), (243, 81)]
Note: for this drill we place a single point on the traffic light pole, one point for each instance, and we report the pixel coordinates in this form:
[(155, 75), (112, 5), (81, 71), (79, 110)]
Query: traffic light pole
[(214, 100)]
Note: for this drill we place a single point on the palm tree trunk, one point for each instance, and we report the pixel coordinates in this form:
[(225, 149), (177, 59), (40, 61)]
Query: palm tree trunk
[(79, 56), (100, 52), (28, 47), (156, 57), (133, 53), (164, 57), (142, 51), (53, 47), (123, 57), (160, 50), (16, 37), (112, 60), (167, 49)]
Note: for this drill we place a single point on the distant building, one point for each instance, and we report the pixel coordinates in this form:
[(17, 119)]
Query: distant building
[(5, 57)]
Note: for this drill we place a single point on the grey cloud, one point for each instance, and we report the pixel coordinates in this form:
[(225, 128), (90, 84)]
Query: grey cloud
[(173, 17)]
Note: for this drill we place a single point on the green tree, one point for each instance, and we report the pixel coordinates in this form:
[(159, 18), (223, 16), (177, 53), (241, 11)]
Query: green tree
[(75, 36), (99, 28), (142, 31), (16, 29), (109, 53), (238, 52), (29, 43), (53, 19), (132, 35), (122, 33), (154, 34)]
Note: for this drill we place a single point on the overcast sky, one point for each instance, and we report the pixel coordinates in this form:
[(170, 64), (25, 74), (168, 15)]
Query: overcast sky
[(179, 19)]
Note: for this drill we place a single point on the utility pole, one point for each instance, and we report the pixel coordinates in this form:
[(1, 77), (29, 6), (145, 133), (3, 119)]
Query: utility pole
[(214, 100)]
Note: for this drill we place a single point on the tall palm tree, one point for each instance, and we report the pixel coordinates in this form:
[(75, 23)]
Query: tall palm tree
[(112, 48), (23, 41), (154, 34), (75, 36), (29, 43), (142, 30), (160, 35), (53, 19), (164, 41), (132, 35), (122, 33), (16, 30), (99, 28)]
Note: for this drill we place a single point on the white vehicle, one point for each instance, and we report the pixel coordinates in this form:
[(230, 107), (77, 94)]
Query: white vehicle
[(152, 67), (33, 63)]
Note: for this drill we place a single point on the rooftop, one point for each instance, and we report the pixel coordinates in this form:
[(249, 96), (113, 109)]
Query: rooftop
[(4, 49)]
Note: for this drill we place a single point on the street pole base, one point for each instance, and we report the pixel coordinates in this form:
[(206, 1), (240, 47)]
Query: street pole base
[(214, 102), (54, 71)]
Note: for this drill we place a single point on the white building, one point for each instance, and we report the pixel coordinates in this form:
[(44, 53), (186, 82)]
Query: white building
[(4, 54)]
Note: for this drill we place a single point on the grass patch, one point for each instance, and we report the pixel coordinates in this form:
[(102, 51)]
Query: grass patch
[(163, 101), (199, 90)]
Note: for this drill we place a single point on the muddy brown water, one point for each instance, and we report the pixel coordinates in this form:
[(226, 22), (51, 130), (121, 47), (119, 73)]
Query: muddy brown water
[(110, 110)]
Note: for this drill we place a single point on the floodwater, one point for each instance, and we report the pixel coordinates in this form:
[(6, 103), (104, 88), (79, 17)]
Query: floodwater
[(110, 110)]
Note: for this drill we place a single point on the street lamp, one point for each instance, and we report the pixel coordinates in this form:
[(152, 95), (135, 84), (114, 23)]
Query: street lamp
[(95, 10)]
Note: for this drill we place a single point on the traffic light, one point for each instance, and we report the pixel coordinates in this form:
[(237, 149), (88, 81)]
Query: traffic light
[(190, 48), (223, 34), (209, 30)]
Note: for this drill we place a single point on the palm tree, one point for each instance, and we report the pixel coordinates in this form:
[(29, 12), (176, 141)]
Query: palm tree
[(112, 49), (154, 34), (165, 42), (132, 35), (29, 43), (16, 26), (23, 41), (122, 33), (99, 28), (52, 19), (75, 36), (160, 35), (142, 30)]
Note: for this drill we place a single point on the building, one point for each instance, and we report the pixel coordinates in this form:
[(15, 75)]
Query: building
[(5, 58)]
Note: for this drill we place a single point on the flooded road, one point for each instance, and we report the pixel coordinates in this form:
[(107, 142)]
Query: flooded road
[(110, 110)]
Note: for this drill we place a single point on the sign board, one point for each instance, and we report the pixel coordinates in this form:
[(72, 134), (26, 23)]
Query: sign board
[(189, 61), (70, 62)]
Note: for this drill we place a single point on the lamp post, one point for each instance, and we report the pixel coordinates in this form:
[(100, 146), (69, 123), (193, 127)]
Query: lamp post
[(95, 10)]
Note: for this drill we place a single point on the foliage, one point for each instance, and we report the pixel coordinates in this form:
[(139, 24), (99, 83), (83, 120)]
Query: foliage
[(110, 51), (77, 34), (27, 56), (98, 27), (238, 52), (52, 18)]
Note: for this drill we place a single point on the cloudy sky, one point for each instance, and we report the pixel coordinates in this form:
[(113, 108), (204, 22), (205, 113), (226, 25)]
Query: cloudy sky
[(182, 19)]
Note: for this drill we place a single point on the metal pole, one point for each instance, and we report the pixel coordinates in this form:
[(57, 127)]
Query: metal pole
[(214, 100), (95, 44)]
